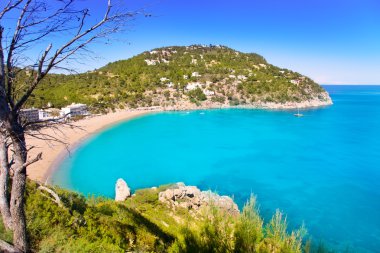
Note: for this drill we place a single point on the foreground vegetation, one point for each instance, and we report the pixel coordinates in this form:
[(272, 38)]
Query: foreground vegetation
[(143, 224)]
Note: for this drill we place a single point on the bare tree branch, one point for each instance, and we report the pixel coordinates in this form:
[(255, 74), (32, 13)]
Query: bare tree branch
[(9, 7), (30, 162), (9, 72), (2, 67), (56, 199)]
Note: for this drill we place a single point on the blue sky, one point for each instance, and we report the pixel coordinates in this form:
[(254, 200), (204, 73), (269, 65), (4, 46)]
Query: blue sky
[(332, 41)]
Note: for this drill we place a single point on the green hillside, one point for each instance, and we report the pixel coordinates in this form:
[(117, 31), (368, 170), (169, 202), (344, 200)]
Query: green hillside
[(218, 76), (144, 224)]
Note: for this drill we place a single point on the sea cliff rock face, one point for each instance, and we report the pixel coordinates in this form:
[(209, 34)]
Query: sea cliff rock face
[(122, 190), (190, 197)]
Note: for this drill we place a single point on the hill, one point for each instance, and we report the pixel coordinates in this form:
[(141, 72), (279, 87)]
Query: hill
[(189, 77)]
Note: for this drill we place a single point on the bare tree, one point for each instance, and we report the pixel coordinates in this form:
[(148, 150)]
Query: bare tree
[(26, 25)]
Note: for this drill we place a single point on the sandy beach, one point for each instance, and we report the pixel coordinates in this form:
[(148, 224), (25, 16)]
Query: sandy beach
[(53, 152)]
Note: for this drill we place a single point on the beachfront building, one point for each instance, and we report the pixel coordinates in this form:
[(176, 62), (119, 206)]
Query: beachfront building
[(46, 114), (43, 114), (75, 110), (30, 114)]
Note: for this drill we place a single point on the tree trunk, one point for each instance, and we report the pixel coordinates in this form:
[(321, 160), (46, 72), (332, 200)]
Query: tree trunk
[(17, 210), (18, 188), (4, 165), (4, 178)]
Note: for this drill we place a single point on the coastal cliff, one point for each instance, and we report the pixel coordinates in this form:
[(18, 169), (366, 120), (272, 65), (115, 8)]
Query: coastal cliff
[(182, 78)]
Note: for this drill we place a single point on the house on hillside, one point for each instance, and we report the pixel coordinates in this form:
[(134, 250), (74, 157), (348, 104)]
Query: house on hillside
[(295, 81), (242, 77), (208, 92), (195, 74), (193, 86), (152, 62)]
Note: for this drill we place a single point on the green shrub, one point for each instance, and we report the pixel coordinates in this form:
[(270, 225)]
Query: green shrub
[(277, 238), (197, 95), (143, 224), (214, 233), (249, 228)]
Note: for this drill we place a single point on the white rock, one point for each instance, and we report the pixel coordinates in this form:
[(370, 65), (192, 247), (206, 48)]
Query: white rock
[(122, 190)]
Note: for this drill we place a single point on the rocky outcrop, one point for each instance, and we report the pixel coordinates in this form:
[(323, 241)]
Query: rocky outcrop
[(190, 197), (321, 99), (122, 191)]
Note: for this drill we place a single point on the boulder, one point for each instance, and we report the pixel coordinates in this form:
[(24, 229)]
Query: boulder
[(122, 191), (190, 197)]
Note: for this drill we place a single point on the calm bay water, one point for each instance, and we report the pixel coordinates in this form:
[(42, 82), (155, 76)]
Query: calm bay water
[(322, 169)]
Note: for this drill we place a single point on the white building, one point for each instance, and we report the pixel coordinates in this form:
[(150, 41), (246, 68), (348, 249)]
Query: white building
[(195, 74), (208, 92), (75, 110), (193, 86), (152, 62), (295, 81), (44, 114), (29, 115)]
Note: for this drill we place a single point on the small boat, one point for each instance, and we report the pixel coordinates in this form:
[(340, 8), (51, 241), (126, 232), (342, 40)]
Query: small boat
[(298, 114)]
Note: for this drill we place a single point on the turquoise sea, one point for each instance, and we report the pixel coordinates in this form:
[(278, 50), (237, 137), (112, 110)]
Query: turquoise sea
[(322, 169)]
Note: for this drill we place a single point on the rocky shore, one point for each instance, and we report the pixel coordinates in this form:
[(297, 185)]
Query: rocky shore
[(323, 99), (191, 198), (181, 196)]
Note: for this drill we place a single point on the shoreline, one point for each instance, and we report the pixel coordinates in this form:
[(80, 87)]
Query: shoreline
[(55, 153)]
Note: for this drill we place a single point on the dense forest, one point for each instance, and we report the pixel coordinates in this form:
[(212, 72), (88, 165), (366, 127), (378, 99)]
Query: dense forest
[(177, 75)]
